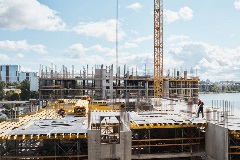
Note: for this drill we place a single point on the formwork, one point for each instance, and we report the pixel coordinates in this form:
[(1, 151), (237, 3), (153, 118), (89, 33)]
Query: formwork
[(162, 135), (168, 131), (39, 137)]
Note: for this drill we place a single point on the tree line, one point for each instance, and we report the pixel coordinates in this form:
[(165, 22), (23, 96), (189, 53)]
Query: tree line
[(12, 95), (221, 89)]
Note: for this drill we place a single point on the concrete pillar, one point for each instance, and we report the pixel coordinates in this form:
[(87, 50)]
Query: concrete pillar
[(97, 151), (216, 142), (209, 114)]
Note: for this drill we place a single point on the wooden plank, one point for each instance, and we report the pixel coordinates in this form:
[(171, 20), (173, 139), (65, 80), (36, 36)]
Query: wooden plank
[(164, 145), (167, 139)]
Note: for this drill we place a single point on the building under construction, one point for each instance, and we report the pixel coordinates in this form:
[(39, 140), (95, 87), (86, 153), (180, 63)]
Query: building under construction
[(169, 131), (101, 83), (158, 128)]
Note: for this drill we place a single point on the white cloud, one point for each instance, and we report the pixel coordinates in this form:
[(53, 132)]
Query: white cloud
[(75, 51), (237, 4), (233, 35), (134, 43), (30, 14), (170, 16), (21, 46), (38, 48), (134, 32), (90, 60), (29, 69), (177, 37), (20, 55), (176, 50), (130, 45), (4, 57), (209, 60), (142, 39), (135, 6), (184, 13), (102, 29), (99, 48)]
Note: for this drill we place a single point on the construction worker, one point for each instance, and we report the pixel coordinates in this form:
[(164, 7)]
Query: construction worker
[(200, 109)]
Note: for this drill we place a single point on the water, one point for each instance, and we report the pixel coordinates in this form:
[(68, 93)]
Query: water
[(211, 100)]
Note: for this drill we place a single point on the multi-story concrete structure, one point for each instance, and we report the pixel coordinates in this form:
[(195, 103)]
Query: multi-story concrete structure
[(102, 84), (108, 134)]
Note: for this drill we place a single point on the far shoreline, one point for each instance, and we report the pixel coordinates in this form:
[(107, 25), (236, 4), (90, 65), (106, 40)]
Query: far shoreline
[(218, 92)]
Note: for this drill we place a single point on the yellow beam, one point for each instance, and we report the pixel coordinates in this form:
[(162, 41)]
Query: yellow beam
[(164, 145), (41, 137), (167, 139), (233, 152), (152, 126), (234, 132), (234, 147)]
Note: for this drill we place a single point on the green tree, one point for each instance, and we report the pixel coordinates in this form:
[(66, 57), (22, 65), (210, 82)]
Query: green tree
[(34, 94), (25, 90), (7, 106), (214, 88), (13, 85), (2, 86), (11, 96)]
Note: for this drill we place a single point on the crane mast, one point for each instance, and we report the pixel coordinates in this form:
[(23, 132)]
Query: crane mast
[(158, 48)]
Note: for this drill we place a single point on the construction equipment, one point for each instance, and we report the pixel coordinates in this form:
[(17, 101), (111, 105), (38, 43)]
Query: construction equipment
[(62, 112), (158, 48), (80, 111), (81, 108)]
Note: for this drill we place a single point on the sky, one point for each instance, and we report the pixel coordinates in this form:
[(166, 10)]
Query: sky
[(200, 36)]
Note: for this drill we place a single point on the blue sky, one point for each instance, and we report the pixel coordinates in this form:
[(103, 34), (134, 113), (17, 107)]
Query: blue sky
[(201, 37)]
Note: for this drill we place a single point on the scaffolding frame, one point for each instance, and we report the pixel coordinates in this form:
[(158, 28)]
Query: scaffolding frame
[(168, 140), (60, 149)]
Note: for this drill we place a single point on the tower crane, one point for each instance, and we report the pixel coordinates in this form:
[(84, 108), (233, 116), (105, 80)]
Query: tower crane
[(158, 48)]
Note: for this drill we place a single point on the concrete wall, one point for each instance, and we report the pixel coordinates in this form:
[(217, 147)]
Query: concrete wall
[(97, 151), (216, 142)]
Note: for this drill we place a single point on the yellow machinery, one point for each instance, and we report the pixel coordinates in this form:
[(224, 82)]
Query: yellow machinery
[(81, 108), (80, 111), (77, 107), (99, 105), (84, 97)]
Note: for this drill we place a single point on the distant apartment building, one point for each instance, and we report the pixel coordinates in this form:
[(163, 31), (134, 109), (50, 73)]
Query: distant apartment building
[(12, 73), (26, 75), (9, 73)]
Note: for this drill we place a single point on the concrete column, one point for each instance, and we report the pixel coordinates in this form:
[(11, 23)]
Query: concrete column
[(216, 142), (97, 151)]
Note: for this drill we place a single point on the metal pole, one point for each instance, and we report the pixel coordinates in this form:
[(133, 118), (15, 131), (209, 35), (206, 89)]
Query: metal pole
[(1, 148), (182, 137), (78, 147), (15, 109), (55, 148), (149, 151)]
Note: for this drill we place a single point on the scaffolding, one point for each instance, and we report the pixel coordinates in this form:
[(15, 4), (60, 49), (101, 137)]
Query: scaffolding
[(101, 83)]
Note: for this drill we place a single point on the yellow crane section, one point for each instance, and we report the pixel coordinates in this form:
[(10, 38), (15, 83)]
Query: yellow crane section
[(158, 48)]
